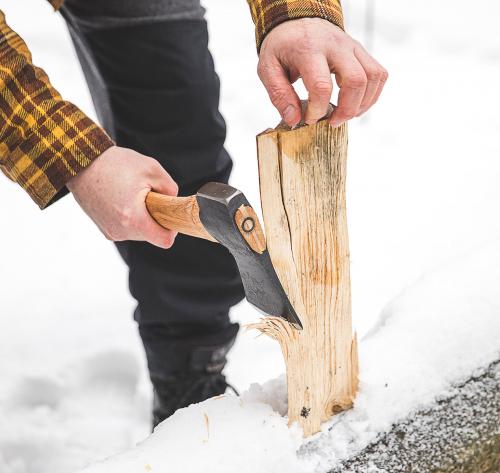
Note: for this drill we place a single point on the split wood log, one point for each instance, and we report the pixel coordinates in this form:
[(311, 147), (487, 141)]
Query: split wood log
[(302, 185)]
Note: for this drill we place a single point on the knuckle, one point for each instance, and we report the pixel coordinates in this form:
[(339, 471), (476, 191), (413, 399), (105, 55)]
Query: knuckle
[(373, 74), (154, 165), (126, 217), (356, 80), (263, 70), (384, 75), (322, 88), (305, 47), (112, 235), (276, 94)]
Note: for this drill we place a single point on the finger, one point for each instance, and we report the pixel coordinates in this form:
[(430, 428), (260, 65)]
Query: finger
[(352, 81), (161, 181), (281, 92), (317, 79), (155, 234), (383, 80), (148, 229), (374, 74)]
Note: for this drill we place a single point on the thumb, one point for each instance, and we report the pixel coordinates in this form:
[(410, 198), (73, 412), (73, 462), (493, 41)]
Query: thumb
[(281, 92)]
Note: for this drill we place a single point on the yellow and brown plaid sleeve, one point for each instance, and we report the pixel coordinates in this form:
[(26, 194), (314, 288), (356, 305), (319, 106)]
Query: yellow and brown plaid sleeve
[(44, 140), (267, 14)]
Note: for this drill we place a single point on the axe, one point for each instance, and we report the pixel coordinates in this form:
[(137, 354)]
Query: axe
[(221, 213)]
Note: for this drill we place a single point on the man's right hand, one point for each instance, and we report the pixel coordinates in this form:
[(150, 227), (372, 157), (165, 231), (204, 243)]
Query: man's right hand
[(113, 189)]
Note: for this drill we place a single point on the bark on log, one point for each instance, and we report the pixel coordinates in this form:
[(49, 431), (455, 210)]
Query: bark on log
[(302, 185)]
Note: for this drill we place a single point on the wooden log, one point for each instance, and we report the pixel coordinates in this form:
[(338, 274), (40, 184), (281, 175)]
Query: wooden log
[(302, 185)]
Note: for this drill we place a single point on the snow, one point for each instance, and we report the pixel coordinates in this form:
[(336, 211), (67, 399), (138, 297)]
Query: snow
[(206, 433), (441, 436), (440, 336), (423, 193)]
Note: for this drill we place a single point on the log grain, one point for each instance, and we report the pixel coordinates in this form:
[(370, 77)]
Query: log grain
[(302, 185)]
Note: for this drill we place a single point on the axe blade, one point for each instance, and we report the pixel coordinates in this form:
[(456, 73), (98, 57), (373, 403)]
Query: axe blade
[(218, 204)]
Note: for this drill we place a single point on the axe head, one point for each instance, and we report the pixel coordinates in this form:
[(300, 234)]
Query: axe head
[(218, 205)]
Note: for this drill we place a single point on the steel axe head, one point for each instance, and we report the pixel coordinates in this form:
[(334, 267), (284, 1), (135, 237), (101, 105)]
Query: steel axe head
[(229, 218)]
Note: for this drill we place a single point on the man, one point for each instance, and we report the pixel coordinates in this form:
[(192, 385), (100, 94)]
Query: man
[(153, 84)]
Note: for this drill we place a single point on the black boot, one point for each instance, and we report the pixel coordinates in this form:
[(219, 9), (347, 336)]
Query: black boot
[(201, 378)]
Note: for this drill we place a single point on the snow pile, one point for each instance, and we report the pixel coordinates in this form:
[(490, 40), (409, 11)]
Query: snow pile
[(441, 329), (222, 434), (60, 421)]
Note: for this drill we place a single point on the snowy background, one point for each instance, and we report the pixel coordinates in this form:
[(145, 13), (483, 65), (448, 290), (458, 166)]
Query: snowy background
[(423, 193)]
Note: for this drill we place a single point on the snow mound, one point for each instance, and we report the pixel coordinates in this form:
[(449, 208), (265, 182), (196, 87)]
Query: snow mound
[(222, 434), (433, 335)]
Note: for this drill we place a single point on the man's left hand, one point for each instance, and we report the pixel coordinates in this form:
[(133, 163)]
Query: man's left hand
[(313, 49)]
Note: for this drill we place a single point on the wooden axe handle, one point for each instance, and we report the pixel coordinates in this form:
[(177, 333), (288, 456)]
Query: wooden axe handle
[(181, 214)]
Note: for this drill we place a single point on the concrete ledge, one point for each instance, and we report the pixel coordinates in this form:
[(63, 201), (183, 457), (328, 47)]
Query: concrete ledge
[(460, 434)]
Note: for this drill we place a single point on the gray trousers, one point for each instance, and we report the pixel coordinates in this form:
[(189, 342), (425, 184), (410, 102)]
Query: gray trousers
[(108, 13)]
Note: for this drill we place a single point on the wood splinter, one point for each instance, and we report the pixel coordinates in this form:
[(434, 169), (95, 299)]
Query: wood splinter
[(302, 185)]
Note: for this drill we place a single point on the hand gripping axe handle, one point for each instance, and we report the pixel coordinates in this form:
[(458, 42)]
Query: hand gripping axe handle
[(221, 213)]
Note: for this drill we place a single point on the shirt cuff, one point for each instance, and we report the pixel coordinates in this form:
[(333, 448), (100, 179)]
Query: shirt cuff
[(267, 14), (55, 151)]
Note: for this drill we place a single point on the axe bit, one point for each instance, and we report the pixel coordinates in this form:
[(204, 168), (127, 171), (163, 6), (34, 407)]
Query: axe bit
[(221, 213)]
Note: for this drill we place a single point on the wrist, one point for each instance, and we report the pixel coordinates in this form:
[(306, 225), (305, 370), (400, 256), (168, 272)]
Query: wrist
[(269, 15), (89, 172)]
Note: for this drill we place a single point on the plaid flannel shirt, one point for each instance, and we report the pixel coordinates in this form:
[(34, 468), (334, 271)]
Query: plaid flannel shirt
[(267, 14), (45, 141)]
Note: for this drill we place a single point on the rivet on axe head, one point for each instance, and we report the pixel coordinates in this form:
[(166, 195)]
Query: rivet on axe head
[(248, 224)]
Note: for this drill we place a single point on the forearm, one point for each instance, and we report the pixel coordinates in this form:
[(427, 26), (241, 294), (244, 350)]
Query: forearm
[(44, 140), (267, 14)]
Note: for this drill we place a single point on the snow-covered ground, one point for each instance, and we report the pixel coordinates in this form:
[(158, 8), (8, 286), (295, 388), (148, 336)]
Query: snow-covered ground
[(424, 341), (423, 193)]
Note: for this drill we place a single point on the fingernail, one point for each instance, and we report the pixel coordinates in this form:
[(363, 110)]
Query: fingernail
[(289, 113)]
